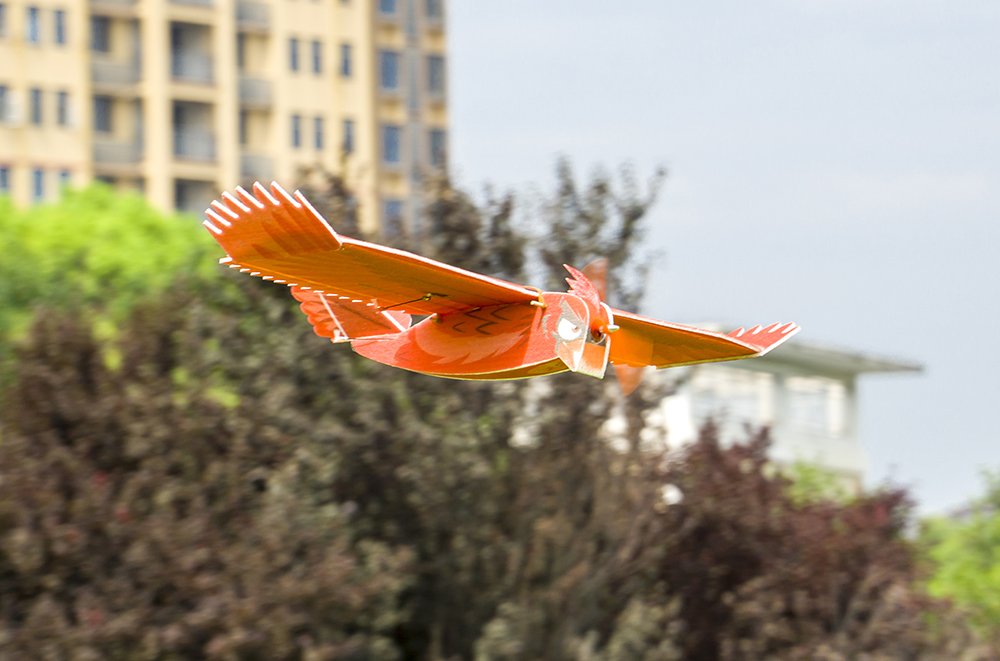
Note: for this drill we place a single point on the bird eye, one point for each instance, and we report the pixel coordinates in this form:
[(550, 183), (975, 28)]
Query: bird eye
[(568, 330)]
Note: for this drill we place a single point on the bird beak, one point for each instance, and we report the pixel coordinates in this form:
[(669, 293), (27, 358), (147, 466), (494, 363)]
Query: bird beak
[(586, 356)]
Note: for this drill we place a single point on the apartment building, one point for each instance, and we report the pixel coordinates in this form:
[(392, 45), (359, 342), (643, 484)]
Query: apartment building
[(183, 98)]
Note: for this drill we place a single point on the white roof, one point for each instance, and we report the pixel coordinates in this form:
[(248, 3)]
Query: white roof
[(814, 356), (832, 359)]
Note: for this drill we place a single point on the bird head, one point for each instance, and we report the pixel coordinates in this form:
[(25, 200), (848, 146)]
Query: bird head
[(584, 324), (580, 322)]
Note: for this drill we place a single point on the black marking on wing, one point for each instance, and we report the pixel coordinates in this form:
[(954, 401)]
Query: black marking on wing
[(486, 323), (495, 313)]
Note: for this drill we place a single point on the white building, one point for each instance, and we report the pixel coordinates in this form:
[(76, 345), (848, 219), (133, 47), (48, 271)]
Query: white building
[(806, 393)]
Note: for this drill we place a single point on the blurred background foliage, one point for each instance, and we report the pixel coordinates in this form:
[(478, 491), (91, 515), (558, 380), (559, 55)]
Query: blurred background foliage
[(210, 480), (965, 549), (95, 248)]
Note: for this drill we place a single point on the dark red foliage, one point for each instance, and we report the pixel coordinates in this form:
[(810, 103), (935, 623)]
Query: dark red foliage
[(132, 524)]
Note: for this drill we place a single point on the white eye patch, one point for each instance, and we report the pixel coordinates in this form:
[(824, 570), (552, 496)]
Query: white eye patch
[(567, 330)]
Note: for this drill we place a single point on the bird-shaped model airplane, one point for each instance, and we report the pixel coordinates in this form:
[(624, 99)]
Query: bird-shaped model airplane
[(478, 327)]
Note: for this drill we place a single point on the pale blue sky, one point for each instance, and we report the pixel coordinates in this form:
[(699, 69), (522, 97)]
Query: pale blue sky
[(833, 163)]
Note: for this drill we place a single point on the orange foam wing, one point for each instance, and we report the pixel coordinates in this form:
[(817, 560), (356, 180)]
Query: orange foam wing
[(642, 341), (342, 318), (279, 237)]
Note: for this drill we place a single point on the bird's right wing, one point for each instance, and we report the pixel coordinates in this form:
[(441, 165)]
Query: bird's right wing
[(282, 238), (641, 341)]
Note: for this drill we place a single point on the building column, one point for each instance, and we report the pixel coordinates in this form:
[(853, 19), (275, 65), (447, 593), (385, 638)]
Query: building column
[(158, 157), (227, 108)]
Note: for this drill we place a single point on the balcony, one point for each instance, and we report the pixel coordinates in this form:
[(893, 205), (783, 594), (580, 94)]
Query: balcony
[(390, 94), (106, 72), (256, 167), (253, 16), (387, 12), (193, 144), (434, 18), (116, 152), (255, 93), (9, 108), (113, 7), (192, 196), (191, 67)]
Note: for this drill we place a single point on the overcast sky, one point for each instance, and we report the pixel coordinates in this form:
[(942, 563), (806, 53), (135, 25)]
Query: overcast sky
[(833, 163)]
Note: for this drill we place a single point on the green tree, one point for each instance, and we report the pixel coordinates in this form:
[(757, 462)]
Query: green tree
[(811, 483), (965, 551), (93, 248)]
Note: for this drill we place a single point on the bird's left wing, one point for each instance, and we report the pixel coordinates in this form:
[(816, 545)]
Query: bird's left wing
[(279, 237), (641, 341)]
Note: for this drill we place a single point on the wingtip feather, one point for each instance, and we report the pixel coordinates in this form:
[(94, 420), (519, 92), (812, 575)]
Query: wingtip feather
[(264, 195), (278, 191), (249, 198)]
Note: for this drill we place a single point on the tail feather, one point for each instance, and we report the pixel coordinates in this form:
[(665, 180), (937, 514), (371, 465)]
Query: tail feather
[(342, 318)]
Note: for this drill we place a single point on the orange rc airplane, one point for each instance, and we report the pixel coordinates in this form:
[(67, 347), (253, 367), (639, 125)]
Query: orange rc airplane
[(479, 327)]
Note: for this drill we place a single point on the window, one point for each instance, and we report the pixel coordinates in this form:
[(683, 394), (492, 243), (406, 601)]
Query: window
[(296, 131), (4, 179), (317, 53), (732, 397), (434, 9), (62, 109), (392, 218), (3, 19), (437, 148), (435, 74), (348, 143), (241, 50), (100, 30), (31, 33), (816, 405), (37, 184), (412, 87), (102, 113), (36, 106), (390, 143), (389, 69), (243, 127), (293, 54), (4, 104), (387, 7), (411, 22), (59, 25), (345, 60), (64, 177), (318, 132)]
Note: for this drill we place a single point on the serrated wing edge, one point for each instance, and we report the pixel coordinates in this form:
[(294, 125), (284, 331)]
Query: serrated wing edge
[(280, 237)]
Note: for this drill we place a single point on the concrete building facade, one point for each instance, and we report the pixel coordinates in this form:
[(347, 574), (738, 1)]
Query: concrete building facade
[(805, 393), (182, 99)]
